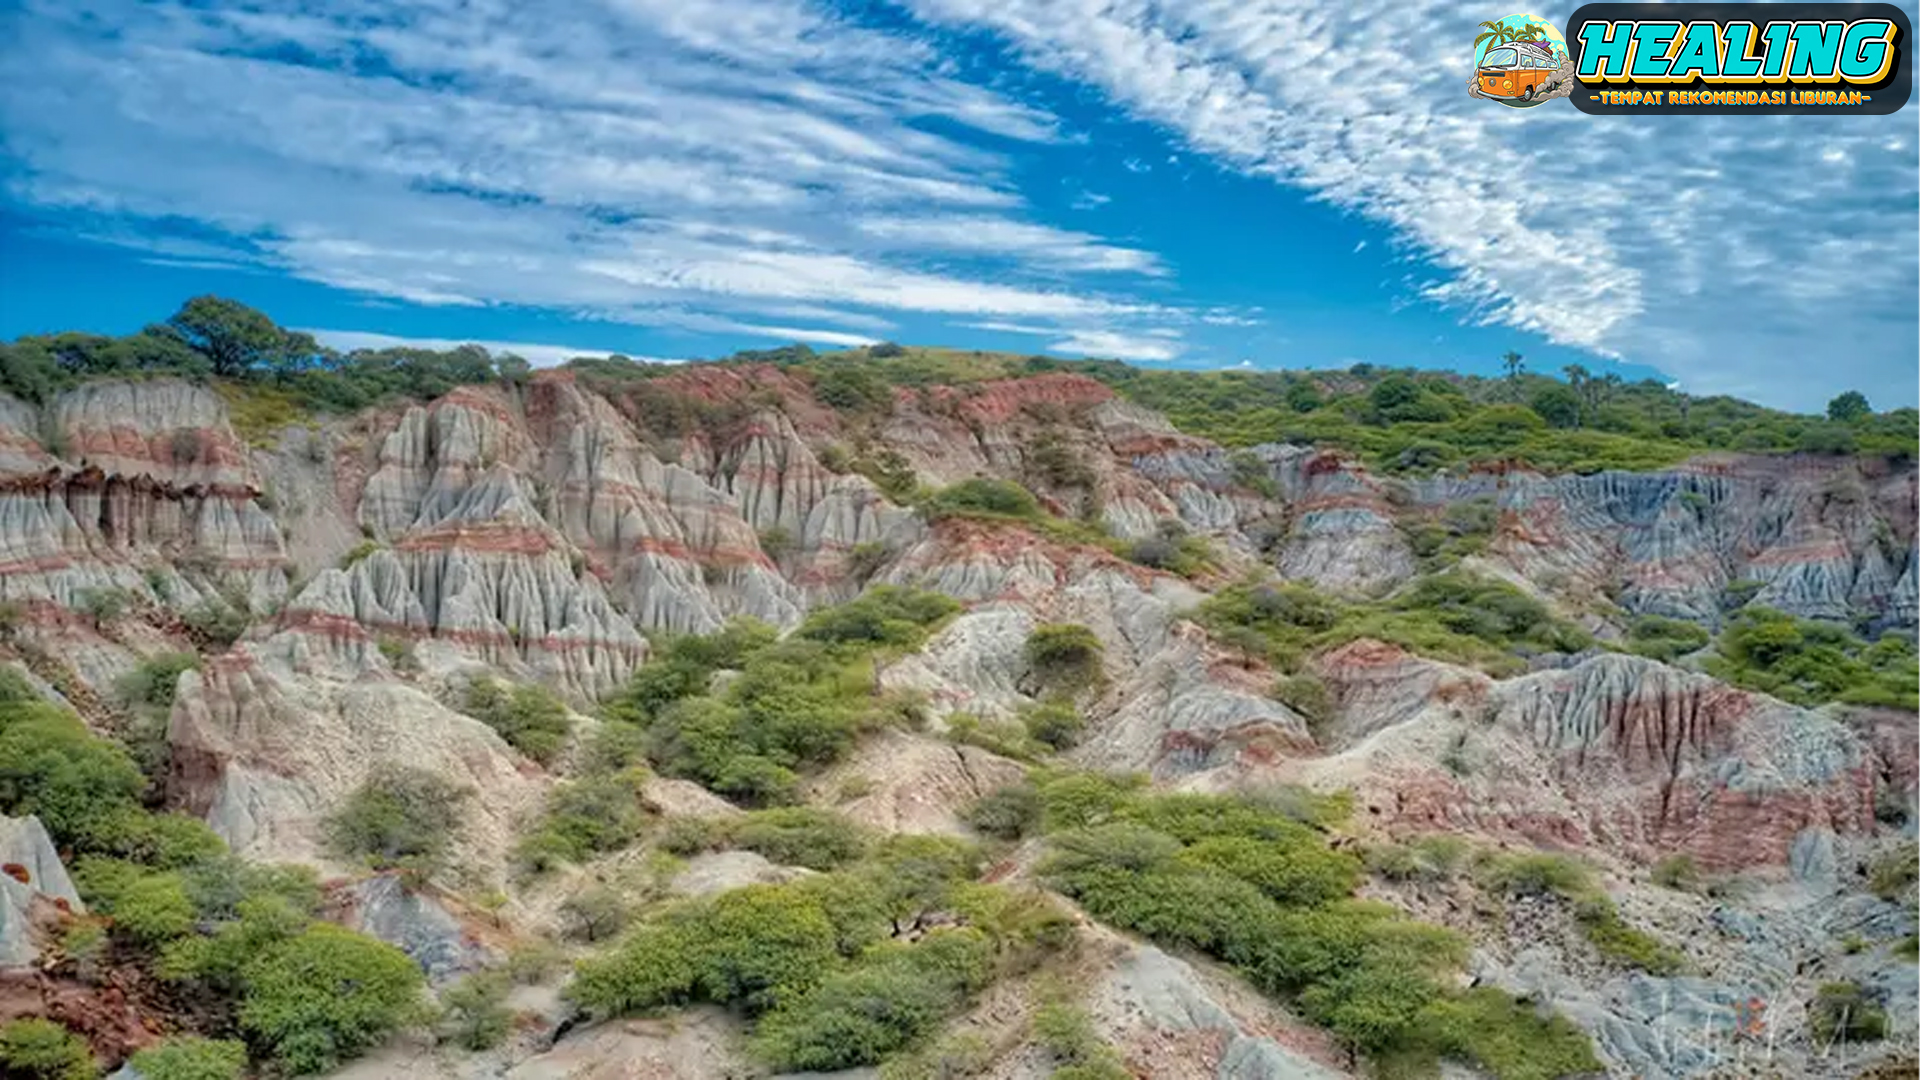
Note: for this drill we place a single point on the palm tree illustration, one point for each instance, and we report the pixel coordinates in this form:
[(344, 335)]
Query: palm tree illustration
[(1497, 34)]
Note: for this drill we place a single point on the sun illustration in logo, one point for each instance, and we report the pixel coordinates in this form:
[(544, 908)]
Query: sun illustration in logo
[(1521, 61)]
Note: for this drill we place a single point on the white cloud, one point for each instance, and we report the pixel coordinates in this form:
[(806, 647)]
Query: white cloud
[(1679, 241), (538, 355), (1017, 240), (757, 163), (1108, 344)]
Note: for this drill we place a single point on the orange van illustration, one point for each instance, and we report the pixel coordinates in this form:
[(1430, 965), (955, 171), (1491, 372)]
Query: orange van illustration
[(1516, 70)]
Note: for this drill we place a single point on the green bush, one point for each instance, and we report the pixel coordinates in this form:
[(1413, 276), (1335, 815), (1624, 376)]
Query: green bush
[(1450, 616), (1842, 1011), (883, 615), (326, 995), (594, 814), (214, 626), (1811, 663), (1893, 872), (1677, 872), (147, 907), (895, 996), (188, 1057), (799, 836), (1064, 656), (1009, 812), (1622, 943), (1665, 639), (595, 913), (1007, 738), (474, 1015), (1260, 889), (35, 1049), (982, 498), (1539, 874), (795, 704), (399, 818), (85, 790), (1056, 723), (152, 683), (529, 717)]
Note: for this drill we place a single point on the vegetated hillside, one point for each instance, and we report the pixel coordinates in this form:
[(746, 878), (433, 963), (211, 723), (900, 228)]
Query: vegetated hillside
[(959, 715)]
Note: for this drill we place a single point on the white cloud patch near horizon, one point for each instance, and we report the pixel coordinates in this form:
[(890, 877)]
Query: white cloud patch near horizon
[(535, 353)]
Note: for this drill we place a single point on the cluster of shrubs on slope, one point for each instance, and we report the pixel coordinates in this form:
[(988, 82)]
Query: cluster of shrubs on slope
[(1406, 420), (836, 970), (1256, 884), (792, 704), (164, 895), (1451, 616), (1171, 548), (1811, 663), (1411, 421)]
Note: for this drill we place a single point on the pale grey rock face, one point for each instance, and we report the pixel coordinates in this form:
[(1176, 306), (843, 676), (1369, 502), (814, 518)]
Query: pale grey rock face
[(265, 754), (1148, 992), (715, 872), (973, 665), (417, 925), (24, 844)]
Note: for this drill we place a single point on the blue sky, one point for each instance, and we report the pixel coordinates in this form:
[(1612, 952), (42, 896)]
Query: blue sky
[(1204, 184)]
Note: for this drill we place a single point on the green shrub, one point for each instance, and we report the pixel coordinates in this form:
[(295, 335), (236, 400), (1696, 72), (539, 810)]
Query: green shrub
[(884, 615), (982, 498), (399, 818), (1056, 723), (955, 1057), (1006, 738), (529, 717), (1301, 872), (398, 652), (1075, 800), (152, 683), (799, 836), (474, 1015), (188, 1057), (1539, 874), (215, 626), (35, 1049), (1677, 872), (1260, 889), (594, 814), (1507, 1038), (147, 907), (1894, 872), (1307, 696), (358, 553), (1665, 639), (1622, 943), (595, 913), (1064, 656), (860, 1016), (1008, 812), (327, 995), (1842, 1011), (1811, 663), (1435, 857), (84, 789)]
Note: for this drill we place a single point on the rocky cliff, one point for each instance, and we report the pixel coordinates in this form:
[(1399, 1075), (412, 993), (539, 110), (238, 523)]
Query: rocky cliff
[(549, 531)]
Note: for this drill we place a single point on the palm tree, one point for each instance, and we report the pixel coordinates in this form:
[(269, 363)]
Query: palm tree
[(1496, 34), (1500, 35)]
